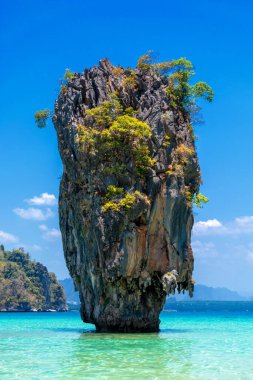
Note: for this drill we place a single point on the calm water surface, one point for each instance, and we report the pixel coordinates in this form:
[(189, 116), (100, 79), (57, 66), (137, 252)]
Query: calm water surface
[(191, 345)]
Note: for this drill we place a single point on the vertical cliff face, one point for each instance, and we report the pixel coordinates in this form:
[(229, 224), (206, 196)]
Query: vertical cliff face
[(125, 194)]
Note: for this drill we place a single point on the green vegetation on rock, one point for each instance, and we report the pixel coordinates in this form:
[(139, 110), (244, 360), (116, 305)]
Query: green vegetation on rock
[(116, 200), (115, 136), (42, 116), (182, 94), (68, 75), (179, 73), (105, 114), (124, 203), (118, 140), (197, 200)]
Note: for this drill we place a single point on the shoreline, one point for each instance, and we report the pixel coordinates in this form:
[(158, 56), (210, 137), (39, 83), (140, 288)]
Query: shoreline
[(34, 311)]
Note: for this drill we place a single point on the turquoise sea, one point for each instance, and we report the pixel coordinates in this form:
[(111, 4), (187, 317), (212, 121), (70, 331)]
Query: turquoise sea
[(193, 344)]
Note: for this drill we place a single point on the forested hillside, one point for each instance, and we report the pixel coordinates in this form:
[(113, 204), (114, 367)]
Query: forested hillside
[(27, 285)]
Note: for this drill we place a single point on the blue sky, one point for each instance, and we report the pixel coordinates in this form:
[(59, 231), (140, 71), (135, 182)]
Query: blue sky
[(40, 39)]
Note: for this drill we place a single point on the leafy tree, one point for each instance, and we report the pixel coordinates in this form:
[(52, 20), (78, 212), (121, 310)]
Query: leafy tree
[(68, 75), (42, 116), (197, 200), (179, 73), (203, 90)]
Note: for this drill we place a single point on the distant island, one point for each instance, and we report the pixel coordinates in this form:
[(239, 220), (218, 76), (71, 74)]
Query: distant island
[(207, 293), (69, 289), (201, 293), (26, 285)]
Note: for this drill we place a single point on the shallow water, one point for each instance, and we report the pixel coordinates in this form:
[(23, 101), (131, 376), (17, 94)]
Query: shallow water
[(191, 345)]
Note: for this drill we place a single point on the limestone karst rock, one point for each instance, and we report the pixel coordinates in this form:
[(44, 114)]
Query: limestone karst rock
[(125, 214)]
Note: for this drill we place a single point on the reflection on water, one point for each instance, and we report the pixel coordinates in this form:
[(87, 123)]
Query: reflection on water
[(189, 346)]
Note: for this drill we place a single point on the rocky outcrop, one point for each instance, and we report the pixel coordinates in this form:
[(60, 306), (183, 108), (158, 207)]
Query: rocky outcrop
[(26, 285), (126, 247)]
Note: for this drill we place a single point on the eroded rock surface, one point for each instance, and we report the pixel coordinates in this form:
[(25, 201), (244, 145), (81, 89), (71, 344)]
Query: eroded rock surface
[(123, 262)]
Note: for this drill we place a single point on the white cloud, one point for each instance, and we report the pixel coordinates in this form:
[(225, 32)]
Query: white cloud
[(204, 249), (34, 213), (52, 234), (6, 237), (239, 226), (35, 248), (44, 199), (212, 225), (224, 263), (244, 220), (43, 227), (49, 233), (244, 225)]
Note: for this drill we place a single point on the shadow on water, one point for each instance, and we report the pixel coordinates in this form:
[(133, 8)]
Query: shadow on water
[(91, 332), (175, 331), (69, 329), (128, 334)]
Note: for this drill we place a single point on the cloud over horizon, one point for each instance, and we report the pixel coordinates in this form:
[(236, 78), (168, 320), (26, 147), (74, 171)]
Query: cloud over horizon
[(204, 249), (6, 237), (34, 213), (238, 226), (45, 199), (49, 233)]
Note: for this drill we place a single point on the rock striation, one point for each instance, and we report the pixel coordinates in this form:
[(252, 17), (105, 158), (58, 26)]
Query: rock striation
[(125, 199)]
